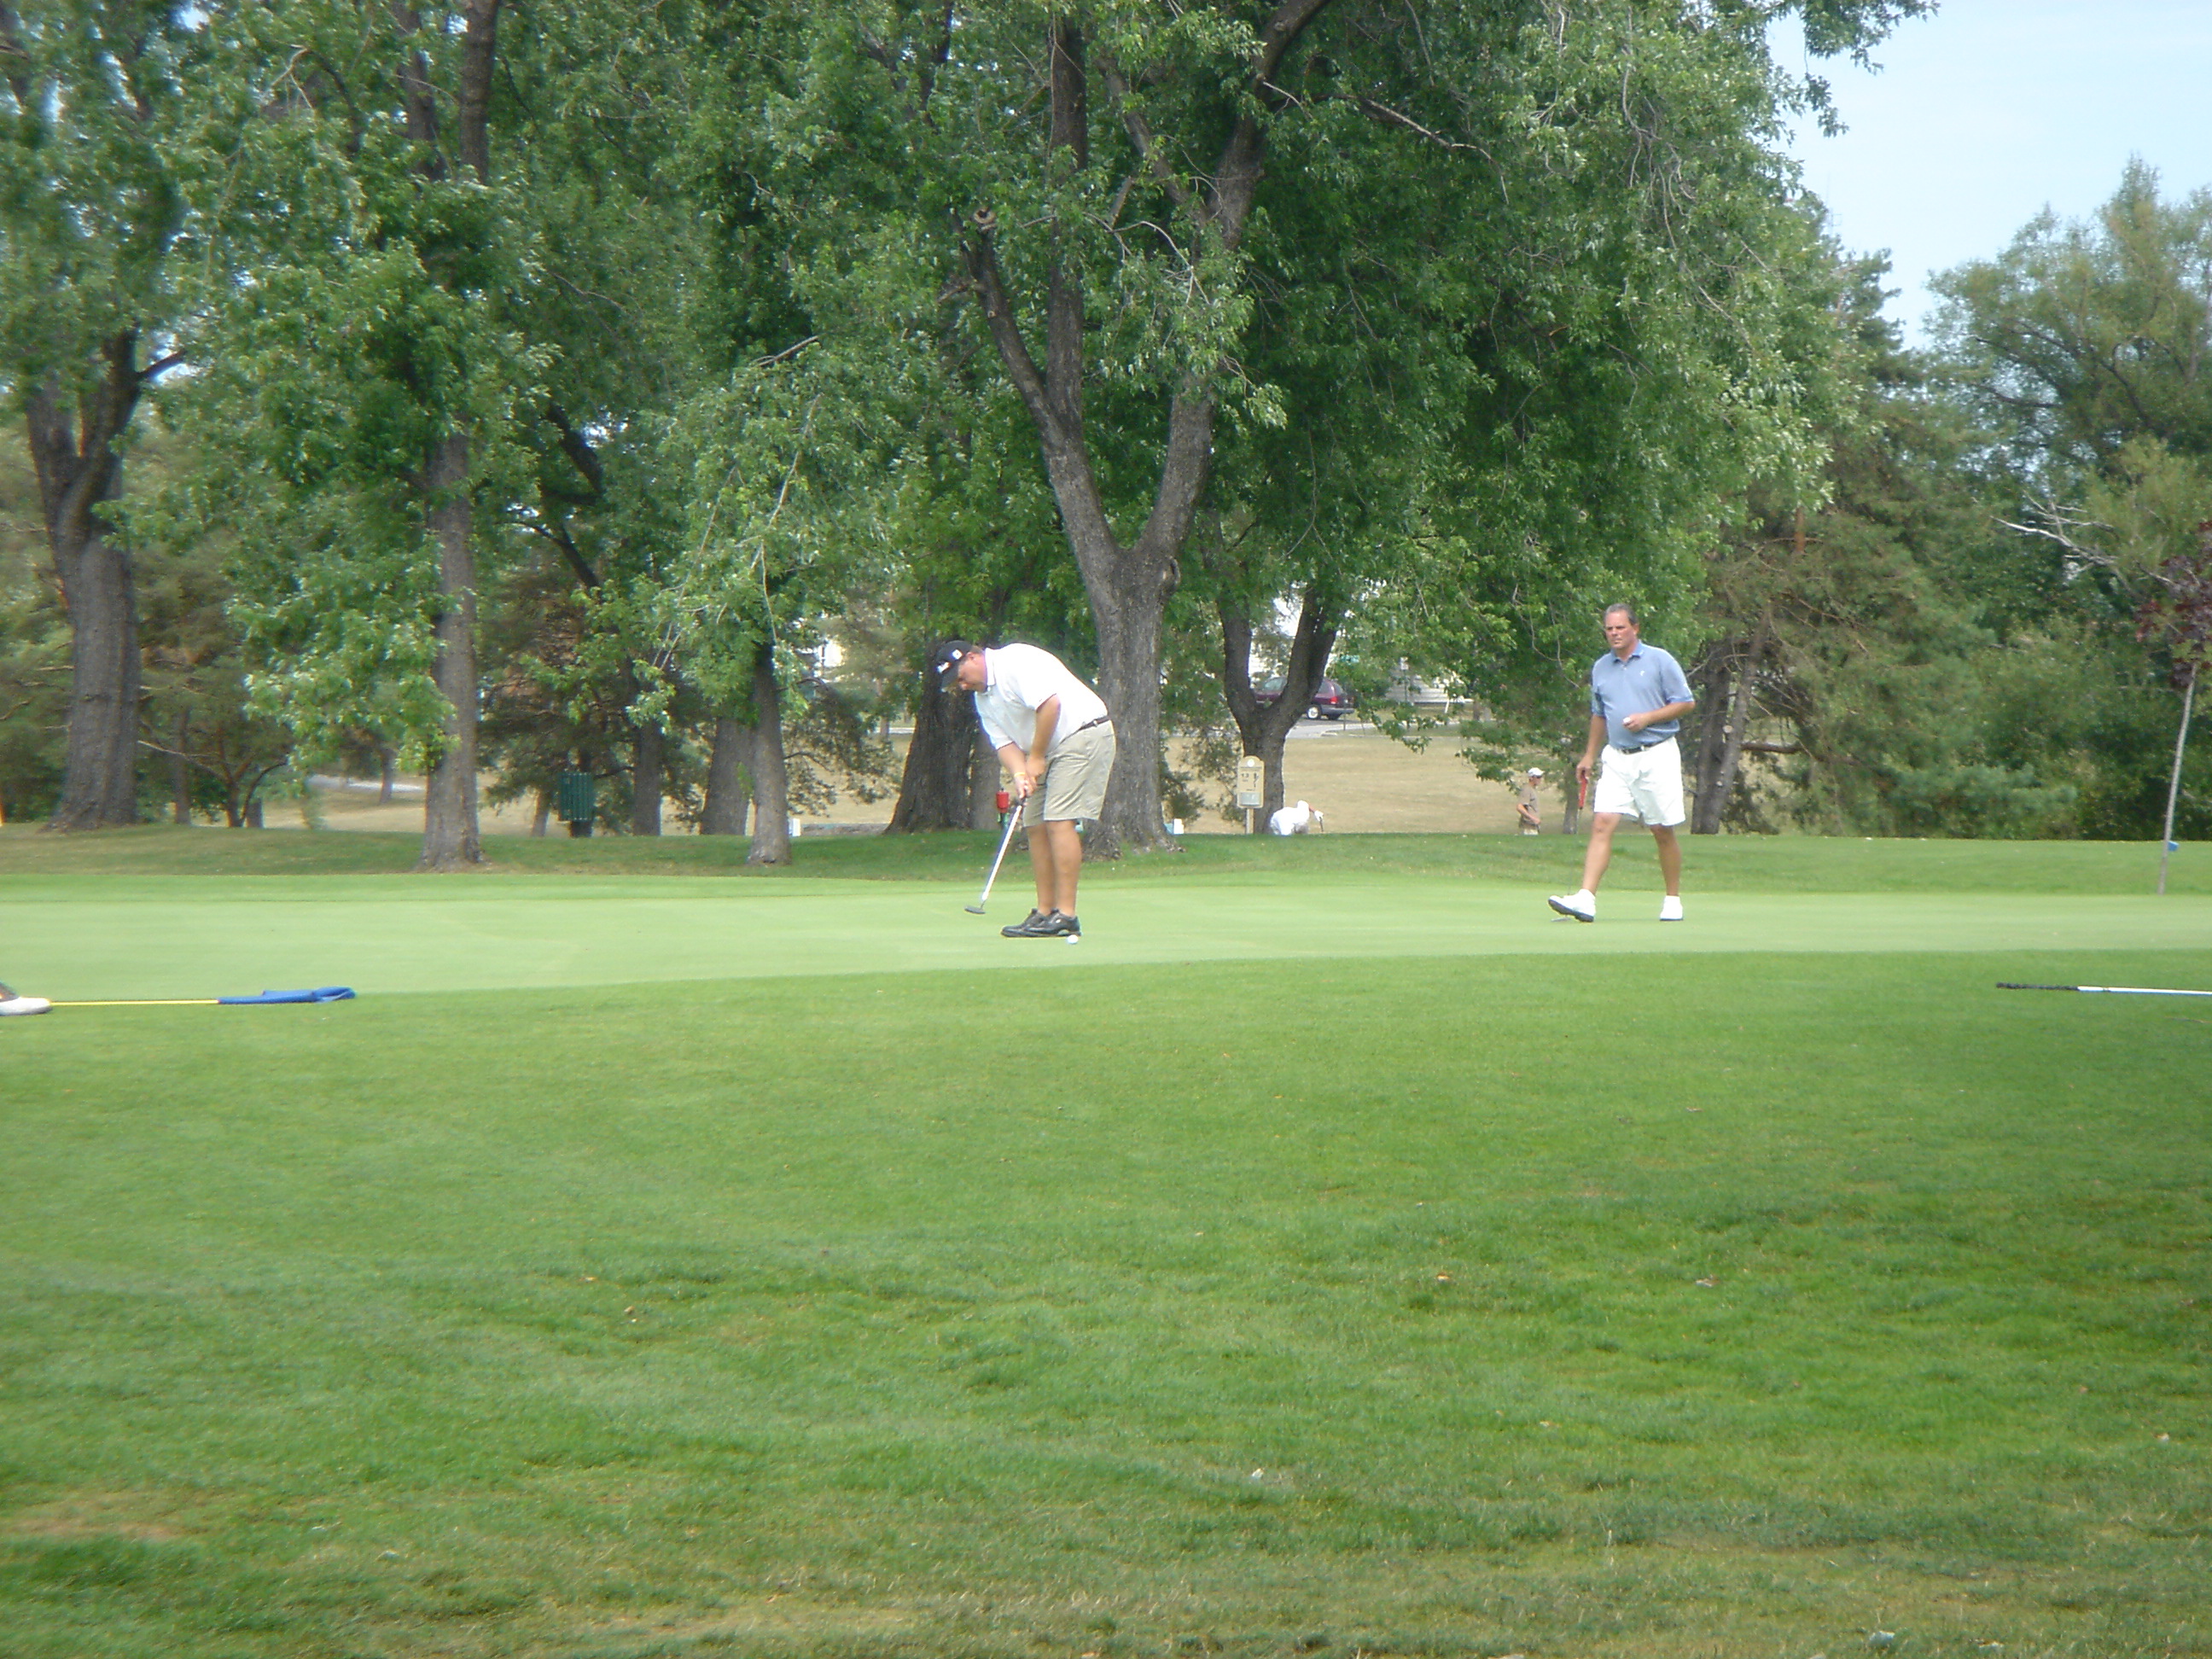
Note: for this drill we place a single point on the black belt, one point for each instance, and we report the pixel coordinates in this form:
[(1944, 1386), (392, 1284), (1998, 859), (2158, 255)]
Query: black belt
[(1637, 749), (1101, 721)]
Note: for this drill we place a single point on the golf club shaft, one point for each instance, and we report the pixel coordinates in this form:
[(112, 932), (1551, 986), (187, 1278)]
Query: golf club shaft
[(2110, 990), (147, 1002), (1013, 822)]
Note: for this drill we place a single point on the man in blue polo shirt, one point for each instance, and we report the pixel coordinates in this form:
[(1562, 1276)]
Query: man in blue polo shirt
[(1638, 694)]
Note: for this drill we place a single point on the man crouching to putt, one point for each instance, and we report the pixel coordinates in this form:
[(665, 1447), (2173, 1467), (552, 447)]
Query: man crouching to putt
[(1055, 738)]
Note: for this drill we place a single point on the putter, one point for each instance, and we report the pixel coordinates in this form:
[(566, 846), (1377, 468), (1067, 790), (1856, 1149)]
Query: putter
[(1013, 822), (2109, 990)]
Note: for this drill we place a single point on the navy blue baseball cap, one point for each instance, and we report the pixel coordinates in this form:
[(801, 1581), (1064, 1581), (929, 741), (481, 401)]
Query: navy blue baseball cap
[(948, 654)]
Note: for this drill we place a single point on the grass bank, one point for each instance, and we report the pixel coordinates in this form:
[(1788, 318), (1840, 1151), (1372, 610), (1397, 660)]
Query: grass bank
[(1628, 1299), (1775, 863)]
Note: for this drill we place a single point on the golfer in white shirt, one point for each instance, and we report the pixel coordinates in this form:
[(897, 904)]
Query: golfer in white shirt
[(1056, 741)]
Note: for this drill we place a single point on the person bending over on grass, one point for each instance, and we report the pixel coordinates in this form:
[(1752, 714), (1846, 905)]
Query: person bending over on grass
[(1638, 694), (1052, 733)]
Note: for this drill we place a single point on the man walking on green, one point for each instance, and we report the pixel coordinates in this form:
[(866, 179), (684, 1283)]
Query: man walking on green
[(1638, 694)]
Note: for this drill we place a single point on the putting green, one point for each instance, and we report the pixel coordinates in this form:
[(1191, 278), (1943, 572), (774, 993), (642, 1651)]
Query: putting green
[(79, 939)]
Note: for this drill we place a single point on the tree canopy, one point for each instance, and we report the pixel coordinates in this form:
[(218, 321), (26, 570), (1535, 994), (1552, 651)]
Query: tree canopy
[(633, 392)]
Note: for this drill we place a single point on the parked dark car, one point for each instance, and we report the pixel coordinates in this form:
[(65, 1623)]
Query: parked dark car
[(1331, 702)]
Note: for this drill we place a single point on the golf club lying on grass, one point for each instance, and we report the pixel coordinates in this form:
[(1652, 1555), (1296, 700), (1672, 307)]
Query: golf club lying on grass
[(321, 994), (1013, 822), (2113, 990)]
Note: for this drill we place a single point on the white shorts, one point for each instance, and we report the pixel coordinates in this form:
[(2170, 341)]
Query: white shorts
[(1647, 785)]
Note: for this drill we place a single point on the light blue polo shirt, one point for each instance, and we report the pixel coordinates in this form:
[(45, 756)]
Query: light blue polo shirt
[(1650, 678)]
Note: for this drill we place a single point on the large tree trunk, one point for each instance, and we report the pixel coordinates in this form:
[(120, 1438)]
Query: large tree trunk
[(79, 472), (100, 776), (771, 785), (985, 776), (724, 813), (936, 790), (450, 835), (1715, 688), (1129, 604), (647, 748), (2173, 778), (1719, 762), (180, 773), (1264, 726)]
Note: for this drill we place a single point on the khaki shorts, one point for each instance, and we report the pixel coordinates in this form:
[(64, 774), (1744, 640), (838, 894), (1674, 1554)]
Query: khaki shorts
[(1075, 780)]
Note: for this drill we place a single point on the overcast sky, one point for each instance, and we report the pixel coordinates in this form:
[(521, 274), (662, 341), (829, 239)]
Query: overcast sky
[(1983, 114)]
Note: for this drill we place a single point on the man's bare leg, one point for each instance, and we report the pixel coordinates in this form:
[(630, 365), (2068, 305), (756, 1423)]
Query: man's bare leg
[(1046, 865), (1670, 859), (1067, 857), (1600, 855)]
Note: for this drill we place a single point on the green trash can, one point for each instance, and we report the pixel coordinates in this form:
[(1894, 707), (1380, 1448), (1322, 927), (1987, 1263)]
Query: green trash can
[(574, 796)]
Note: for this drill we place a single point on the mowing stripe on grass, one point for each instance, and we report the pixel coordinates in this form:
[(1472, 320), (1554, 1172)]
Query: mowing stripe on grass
[(174, 936), (1346, 1308)]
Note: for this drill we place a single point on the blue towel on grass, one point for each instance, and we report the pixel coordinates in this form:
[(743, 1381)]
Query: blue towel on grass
[(323, 994)]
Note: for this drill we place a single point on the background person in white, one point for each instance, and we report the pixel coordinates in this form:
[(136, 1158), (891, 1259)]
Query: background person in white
[(1052, 733), (1638, 694)]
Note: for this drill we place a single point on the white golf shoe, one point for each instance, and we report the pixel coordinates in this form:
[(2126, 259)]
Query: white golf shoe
[(1670, 908), (1581, 904), (13, 1003)]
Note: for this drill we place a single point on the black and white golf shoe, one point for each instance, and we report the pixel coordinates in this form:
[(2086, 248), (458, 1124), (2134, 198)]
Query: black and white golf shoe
[(1037, 925), (1064, 927)]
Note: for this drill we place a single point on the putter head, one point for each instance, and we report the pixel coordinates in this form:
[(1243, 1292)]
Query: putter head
[(974, 909)]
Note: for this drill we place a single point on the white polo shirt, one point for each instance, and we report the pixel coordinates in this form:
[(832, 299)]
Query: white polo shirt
[(1017, 681)]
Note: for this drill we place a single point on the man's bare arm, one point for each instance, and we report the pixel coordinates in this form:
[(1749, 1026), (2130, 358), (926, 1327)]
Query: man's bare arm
[(1587, 763), (1047, 721), (1659, 716)]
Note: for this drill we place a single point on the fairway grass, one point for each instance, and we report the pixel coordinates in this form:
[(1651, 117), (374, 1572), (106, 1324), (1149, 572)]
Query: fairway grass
[(1449, 1283), (30, 858)]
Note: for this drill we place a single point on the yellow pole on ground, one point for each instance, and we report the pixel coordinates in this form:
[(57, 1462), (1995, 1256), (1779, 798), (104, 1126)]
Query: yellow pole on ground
[(147, 1002)]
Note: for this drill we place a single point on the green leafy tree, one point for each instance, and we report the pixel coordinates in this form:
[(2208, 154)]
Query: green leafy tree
[(1161, 219), (34, 657), (982, 557), (632, 301), (788, 527), (2178, 618), (363, 381), (1847, 648), (2081, 350), (113, 115)]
